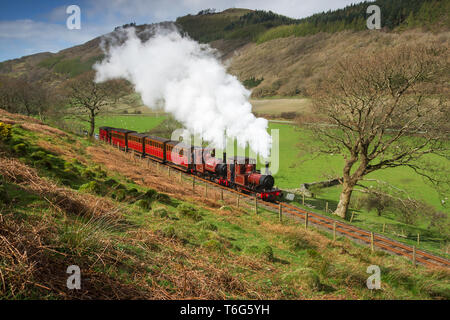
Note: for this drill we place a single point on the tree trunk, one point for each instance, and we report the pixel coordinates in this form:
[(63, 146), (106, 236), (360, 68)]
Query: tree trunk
[(344, 200), (92, 128)]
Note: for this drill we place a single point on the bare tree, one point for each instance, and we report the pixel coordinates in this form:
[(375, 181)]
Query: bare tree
[(86, 97), (21, 95), (384, 110)]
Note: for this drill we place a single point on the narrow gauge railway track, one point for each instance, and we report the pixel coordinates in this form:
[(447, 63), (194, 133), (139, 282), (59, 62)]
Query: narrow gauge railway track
[(347, 230)]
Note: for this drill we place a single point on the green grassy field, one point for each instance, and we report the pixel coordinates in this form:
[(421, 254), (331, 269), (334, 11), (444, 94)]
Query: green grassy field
[(139, 123)]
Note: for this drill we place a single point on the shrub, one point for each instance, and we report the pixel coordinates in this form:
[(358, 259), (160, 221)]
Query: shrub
[(169, 231), (92, 187), (4, 194), (150, 194), (160, 212), (188, 211), (20, 148), (213, 245), (5, 131), (305, 277), (111, 182), (119, 195), (38, 155), (88, 174), (267, 253), (144, 204), (163, 198)]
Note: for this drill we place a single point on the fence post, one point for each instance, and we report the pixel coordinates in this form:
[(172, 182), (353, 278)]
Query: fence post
[(384, 227), (418, 239), (334, 231), (371, 241), (148, 163), (181, 177), (303, 199), (351, 218), (157, 167), (206, 190), (414, 256), (193, 184), (256, 205), (221, 194), (238, 198), (168, 171), (326, 207), (306, 220), (280, 212)]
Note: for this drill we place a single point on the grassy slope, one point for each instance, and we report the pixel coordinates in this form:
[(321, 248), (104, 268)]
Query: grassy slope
[(196, 251), (296, 168)]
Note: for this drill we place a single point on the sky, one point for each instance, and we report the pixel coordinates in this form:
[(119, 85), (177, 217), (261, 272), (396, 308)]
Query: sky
[(28, 27)]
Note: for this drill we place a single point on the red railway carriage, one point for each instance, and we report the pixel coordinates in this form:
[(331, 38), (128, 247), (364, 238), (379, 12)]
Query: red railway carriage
[(180, 155), (136, 142), (105, 134), (155, 147), (119, 137)]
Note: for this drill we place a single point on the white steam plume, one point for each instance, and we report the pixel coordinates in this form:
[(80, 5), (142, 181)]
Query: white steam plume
[(193, 84)]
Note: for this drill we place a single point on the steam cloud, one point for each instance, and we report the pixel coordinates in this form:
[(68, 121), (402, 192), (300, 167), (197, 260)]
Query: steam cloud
[(192, 83)]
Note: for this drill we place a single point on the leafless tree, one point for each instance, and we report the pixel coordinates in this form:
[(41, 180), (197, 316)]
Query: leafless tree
[(86, 97), (384, 110), (21, 95)]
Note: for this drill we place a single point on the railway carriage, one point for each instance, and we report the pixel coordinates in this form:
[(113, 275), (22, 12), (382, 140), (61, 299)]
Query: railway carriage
[(180, 155), (136, 142), (105, 134), (155, 148), (119, 138)]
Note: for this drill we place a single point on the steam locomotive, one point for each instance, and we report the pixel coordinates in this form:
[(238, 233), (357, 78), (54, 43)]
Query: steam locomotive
[(238, 173)]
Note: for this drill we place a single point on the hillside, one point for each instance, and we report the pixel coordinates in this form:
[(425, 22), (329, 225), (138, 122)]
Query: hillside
[(272, 54), (136, 234)]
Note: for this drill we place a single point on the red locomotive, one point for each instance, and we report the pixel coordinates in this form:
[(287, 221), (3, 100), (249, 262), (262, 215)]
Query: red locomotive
[(238, 173)]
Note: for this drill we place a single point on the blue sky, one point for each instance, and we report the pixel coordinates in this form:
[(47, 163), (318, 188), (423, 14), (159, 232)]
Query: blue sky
[(28, 27)]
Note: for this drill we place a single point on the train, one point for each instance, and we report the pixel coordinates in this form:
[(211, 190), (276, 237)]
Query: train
[(238, 173)]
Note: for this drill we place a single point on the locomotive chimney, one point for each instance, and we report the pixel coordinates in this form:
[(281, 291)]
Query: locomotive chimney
[(224, 157), (267, 167)]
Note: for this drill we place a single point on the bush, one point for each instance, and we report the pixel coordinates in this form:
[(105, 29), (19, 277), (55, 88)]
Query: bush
[(144, 204), (150, 194), (169, 231), (119, 195), (188, 211), (160, 212), (92, 187), (88, 174), (38, 155), (163, 198), (111, 182), (20, 148), (213, 245), (305, 277), (5, 131), (267, 253), (4, 194), (205, 225)]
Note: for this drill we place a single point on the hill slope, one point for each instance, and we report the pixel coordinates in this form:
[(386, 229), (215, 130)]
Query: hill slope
[(134, 233), (273, 54)]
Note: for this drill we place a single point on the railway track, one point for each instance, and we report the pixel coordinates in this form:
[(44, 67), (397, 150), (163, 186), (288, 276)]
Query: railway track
[(362, 236)]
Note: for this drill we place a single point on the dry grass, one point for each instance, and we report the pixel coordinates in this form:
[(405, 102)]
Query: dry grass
[(291, 65)]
